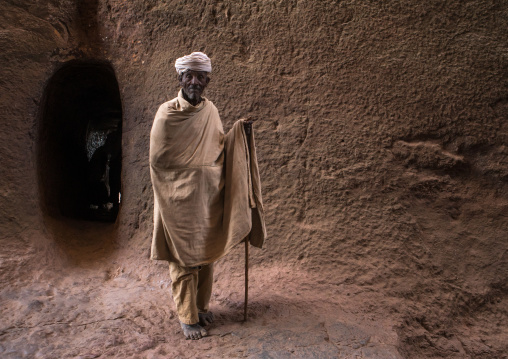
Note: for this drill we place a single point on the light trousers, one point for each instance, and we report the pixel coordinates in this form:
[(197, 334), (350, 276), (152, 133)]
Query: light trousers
[(192, 289)]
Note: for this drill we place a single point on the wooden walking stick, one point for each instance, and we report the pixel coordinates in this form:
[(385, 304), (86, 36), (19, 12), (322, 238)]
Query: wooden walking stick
[(247, 125), (246, 279)]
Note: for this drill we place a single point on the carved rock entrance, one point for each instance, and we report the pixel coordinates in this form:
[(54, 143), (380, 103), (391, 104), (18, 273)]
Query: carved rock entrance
[(80, 142)]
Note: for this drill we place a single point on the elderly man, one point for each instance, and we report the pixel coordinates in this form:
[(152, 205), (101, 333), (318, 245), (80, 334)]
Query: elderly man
[(207, 195)]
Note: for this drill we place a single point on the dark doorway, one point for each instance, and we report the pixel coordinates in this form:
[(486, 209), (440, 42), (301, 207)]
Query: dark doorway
[(80, 142)]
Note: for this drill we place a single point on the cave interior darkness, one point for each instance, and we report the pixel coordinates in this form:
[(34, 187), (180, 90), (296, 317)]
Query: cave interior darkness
[(80, 142)]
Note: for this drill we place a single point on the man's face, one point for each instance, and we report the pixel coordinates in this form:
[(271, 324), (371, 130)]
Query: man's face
[(193, 84)]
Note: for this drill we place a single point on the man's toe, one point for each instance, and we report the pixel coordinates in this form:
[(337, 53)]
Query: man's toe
[(205, 318)]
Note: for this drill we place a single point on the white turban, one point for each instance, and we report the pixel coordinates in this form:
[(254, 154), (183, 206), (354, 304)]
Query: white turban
[(197, 61)]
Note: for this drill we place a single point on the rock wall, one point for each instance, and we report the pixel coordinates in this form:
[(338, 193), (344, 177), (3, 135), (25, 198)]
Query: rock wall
[(382, 130)]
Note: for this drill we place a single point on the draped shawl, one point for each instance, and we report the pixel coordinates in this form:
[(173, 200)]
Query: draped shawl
[(207, 193)]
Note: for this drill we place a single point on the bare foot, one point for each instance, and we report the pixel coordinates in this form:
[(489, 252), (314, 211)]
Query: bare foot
[(193, 331), (205, 318)]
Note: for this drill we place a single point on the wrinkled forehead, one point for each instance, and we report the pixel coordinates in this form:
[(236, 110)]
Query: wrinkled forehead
[(194, 72)]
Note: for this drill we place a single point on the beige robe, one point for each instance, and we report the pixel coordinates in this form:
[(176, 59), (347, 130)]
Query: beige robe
[(207, 194)]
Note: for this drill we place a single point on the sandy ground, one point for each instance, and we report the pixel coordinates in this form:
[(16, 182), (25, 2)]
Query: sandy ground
[(115, 304), (292, 314)]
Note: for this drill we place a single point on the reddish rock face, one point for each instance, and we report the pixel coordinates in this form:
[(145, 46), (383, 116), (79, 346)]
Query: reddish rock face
[(381, 131)]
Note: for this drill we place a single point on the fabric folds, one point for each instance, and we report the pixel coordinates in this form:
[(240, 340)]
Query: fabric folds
[(207, 193)]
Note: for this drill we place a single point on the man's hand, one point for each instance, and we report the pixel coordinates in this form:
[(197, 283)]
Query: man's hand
[(247, 126)]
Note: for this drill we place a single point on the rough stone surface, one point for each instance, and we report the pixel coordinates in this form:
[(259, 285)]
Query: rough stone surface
[(382, 132)]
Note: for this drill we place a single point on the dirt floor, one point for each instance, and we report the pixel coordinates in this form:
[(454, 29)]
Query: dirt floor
[(382, 139), (119, 315)]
